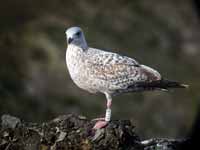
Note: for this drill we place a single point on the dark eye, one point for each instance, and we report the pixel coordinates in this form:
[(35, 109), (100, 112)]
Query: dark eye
[(78, 33)]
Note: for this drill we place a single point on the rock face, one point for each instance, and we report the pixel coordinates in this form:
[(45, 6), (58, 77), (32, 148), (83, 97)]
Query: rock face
[(75, 132)]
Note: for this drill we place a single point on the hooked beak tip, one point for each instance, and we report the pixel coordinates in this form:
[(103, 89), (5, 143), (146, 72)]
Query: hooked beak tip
[(70, 40)]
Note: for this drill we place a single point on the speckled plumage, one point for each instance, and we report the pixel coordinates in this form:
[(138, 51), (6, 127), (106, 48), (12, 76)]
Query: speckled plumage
[(100, 71), (97, 70)]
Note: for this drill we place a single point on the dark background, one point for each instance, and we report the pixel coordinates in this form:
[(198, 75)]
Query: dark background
[(164, 34)]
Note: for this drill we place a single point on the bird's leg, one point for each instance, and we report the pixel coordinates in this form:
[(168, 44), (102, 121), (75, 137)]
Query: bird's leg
[(102, 123)]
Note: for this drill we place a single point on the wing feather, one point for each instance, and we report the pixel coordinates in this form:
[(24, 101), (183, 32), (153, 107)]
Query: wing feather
[(119, 71)]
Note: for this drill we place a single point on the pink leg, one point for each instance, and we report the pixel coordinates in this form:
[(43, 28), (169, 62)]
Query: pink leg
[(109, 103), (104, 121)]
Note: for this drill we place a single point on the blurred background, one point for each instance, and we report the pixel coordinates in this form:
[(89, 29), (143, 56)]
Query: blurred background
[(164, 34)]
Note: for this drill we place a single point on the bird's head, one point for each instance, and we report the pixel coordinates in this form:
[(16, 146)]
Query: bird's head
[(76, 37)]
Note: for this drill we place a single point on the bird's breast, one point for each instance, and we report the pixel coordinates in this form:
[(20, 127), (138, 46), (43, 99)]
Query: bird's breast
[(77, 69), (74, 61)]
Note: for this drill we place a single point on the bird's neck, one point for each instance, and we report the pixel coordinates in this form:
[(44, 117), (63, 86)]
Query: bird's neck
[(78, 48)]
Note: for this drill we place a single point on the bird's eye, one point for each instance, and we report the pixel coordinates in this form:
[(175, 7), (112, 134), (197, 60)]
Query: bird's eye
[(78, 33)]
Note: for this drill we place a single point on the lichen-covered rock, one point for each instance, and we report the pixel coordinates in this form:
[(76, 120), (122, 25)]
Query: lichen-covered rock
[(68, 132), (73, 132)]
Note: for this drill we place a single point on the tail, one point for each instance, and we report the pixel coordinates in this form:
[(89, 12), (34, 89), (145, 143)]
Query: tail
[(162, 84), (165, 84)]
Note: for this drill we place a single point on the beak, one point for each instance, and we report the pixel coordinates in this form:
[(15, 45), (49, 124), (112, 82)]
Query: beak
[(70, 40)]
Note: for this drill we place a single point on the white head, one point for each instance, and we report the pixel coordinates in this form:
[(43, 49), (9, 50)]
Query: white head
[(76, 37)]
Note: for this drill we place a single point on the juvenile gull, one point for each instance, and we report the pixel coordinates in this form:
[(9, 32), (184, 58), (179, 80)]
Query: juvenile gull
[(95, 70)]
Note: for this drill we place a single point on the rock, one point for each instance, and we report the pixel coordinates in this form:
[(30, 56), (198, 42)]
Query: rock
[(163, 144), (9, 121), (74, 132)]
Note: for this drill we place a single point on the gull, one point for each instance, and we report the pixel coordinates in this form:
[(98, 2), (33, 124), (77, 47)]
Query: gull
[(100, 71)]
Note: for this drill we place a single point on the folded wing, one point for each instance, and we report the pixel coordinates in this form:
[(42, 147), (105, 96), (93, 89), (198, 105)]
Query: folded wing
[(119, 71)]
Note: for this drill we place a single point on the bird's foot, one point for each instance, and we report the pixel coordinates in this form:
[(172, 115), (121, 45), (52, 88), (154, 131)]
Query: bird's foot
[(100, 124), (99, 119)]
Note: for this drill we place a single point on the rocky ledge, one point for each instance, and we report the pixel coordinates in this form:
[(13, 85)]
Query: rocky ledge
[(73, 132)]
